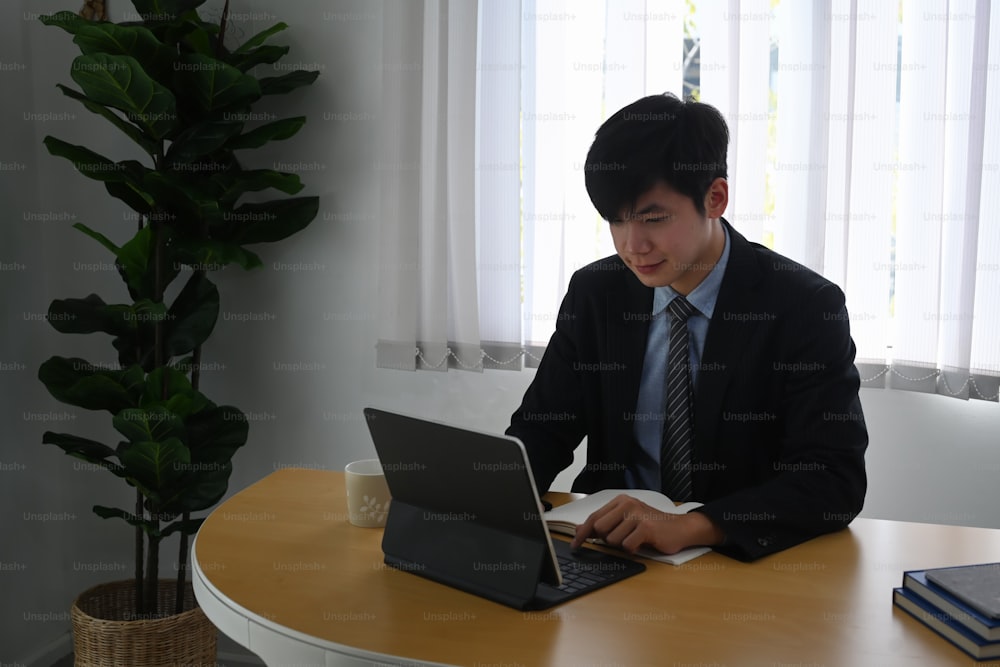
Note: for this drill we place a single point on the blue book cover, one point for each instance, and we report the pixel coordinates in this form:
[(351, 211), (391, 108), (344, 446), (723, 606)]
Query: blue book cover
[(987, 628), (944, 625)]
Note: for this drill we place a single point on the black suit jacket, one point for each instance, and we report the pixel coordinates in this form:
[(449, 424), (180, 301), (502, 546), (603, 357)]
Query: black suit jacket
[(779, 437)]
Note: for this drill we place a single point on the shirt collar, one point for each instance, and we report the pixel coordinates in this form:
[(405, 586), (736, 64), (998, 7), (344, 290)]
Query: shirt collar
[(702, 297)]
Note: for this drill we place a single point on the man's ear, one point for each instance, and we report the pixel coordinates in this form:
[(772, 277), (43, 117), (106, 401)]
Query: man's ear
[(717, 198)]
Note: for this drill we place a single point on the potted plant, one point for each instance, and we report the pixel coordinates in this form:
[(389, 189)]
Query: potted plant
[(172, 88)]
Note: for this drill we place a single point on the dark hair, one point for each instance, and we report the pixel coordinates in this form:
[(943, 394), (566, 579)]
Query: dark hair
[(657, 138)]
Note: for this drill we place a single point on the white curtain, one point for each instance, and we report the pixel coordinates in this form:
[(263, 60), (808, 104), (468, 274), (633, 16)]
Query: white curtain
[(859, 147), (428, 316)]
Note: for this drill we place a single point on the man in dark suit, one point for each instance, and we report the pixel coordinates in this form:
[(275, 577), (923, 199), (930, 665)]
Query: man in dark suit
[(694, 361)]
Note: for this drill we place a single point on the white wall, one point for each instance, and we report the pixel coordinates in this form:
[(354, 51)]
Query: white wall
[(931, 458)]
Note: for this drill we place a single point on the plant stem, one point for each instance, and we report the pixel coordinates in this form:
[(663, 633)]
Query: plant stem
[(181, 569), (182, 553), (139, 604), (219, 48), (196, 361), (159, 361), (153, 575), (158, 352)]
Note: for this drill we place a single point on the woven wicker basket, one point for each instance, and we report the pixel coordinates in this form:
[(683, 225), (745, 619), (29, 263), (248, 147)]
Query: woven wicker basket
[(104, 634)]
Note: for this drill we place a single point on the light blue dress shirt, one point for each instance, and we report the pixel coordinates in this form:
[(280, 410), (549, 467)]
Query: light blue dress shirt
[(644, 472)]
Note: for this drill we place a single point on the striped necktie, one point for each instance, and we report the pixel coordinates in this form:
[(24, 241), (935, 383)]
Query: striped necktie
[(675, 451)]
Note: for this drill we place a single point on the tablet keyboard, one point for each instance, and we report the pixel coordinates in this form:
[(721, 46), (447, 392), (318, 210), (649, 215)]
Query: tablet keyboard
[(579, 576), (586, 569)]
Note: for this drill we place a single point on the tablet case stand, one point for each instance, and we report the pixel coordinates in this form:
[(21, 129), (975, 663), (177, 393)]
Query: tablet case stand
[(457, 551)]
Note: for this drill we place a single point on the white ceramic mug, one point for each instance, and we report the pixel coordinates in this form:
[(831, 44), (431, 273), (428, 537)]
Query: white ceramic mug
[(367, 493)]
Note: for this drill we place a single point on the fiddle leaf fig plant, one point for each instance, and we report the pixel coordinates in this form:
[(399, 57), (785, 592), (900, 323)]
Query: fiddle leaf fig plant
[(185, 100)]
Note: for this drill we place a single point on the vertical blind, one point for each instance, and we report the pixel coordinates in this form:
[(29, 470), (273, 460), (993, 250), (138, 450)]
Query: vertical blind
[(859, 147)]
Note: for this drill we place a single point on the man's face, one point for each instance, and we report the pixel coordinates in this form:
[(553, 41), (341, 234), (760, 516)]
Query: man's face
[(666, 241)]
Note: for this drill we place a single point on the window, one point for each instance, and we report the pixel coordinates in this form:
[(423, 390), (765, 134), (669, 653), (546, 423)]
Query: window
[(859, 147)]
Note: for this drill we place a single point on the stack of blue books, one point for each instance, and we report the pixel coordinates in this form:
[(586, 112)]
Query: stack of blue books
[(962, 604)]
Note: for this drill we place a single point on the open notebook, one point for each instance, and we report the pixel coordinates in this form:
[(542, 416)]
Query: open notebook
[(565, 518)]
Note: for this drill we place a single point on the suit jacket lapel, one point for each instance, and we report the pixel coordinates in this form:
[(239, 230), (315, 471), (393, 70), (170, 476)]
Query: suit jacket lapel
[(724, 345), (628, 314)]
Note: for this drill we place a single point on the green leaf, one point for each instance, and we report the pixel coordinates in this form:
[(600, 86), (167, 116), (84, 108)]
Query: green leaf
[(135, 170), (210, 255), (278, 85), (135, 344), (77, 382), (68, 21), (97, 236), (129, 190), (154, 423), (202, 490), (188, 403), (89, 315), (202, 139), (167, 30), (281, 129), (263, 55), (163, 383), (133, 379), (84, 449), (114, 513), (198, 41), (189, 201), (164, 10), (137, 261), (168, 187), (192, 316), (131, 131), (88, 450), (214, 435), (134, 348), (134, 197), (147, 312), (275, 220), (261, 37), (236, 183), (116, 40), (155, 465), (135, 258), (86, 161), (214, 85), (204, 483), (121, 82), (148, 527)]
